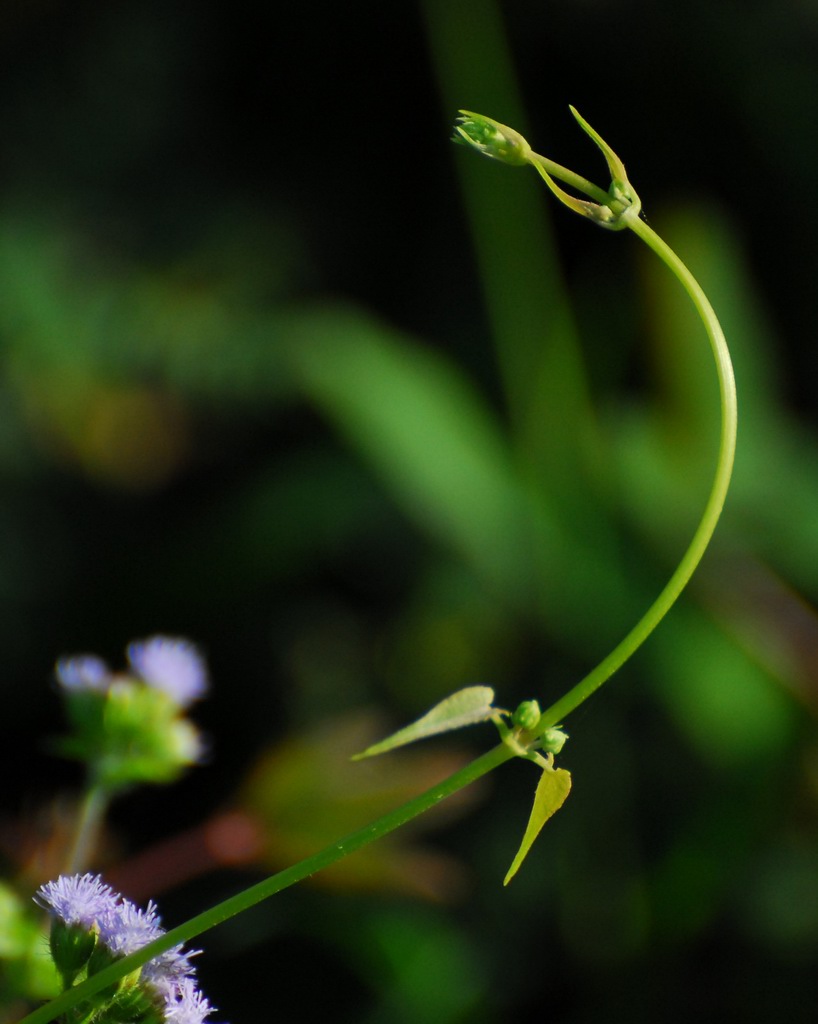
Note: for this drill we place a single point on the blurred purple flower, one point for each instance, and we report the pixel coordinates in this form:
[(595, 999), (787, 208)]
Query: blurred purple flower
[(83, 672), (172, 665)]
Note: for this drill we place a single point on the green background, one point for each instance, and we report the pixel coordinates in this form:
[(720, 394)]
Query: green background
[(370, 419)]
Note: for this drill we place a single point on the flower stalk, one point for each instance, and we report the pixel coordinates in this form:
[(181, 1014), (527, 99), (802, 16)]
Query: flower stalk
[(618, 208)]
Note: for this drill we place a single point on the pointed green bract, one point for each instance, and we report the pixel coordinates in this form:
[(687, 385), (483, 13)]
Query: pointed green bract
[(615, 165), (466, 707), (612, 209), (552, 792)]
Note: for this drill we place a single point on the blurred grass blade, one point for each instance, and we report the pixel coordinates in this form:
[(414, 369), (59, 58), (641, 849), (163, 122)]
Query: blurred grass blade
[(409, 411), (539, 356)]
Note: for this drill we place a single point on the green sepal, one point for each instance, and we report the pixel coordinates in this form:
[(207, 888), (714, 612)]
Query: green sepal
[(130, 734), (71, 947), (625, 204), (132, 1005), (584, 207), (622, 203), (552, 792), (619, 176), (466, 707), (103, 957), (553, 740)]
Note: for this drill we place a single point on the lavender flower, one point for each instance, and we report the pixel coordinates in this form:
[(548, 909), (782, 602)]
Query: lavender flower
[(78, 899), (172, 665), (169, 967), (83, 672), (124, 928), (184, 1003)]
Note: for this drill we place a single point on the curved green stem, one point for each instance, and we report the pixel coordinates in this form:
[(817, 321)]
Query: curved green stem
[(701, 538), (270, 886)]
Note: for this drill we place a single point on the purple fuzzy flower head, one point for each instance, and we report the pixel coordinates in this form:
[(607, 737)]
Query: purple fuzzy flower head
[(83, 672), (184, 1003), (78, 899), (172, 665), (169, 967), (124, 928)]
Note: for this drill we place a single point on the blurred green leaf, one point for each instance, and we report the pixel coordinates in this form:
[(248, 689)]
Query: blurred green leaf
[(427, 431), (421, 965), (15, 925), (306, 793), (730, 709), (26, 968)]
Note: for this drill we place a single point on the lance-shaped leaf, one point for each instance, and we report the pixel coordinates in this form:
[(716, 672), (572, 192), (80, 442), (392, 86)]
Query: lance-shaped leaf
[(615, 165), (552, 792), (466, 707)]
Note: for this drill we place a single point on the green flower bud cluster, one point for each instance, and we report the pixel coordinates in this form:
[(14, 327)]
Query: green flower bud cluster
[(491, 138), (612, 209), (130, 727)]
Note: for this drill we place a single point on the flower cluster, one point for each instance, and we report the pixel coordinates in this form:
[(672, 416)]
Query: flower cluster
[(93, 925), (131, 727), (168, 664)]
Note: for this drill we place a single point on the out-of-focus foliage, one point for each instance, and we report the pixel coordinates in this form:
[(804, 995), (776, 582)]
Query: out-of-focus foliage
[(256, 391), (307, 793)]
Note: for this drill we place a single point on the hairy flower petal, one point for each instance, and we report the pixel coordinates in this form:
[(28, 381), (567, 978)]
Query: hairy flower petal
[(172, 665), (78, 899), (83, 672)]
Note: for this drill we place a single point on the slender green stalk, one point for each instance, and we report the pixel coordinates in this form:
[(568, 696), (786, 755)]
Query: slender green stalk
[(542, 163), (701, 538), (89, 818), (270, 886), (617, 209)]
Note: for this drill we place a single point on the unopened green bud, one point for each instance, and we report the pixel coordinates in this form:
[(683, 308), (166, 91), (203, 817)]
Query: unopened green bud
[(491, 138), (553, 740), (614, 209), (527, 715), (71, 947)]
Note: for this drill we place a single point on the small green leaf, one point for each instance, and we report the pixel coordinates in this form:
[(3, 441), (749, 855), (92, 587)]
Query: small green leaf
[(552, 792), (615, 165), (466, 707)]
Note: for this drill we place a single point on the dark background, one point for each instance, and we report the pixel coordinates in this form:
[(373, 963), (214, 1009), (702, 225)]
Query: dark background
[(204, 209)]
